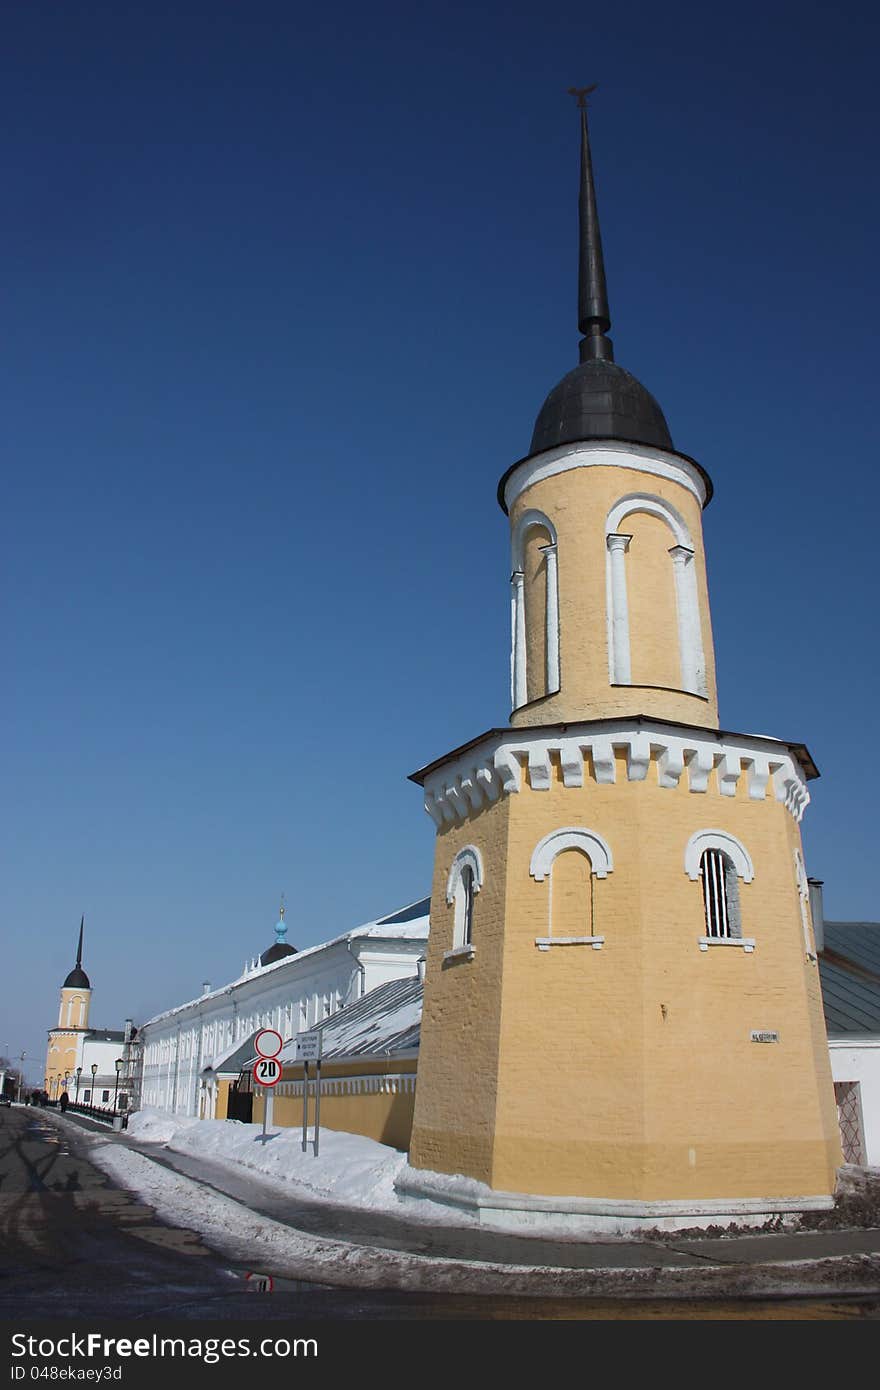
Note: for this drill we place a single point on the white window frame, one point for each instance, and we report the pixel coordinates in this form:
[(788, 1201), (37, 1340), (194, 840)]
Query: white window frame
[(737, 865), (462, 902), (601, 861)]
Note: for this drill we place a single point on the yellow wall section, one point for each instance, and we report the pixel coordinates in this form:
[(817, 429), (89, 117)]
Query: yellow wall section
[(571, 894), (653, 624), (383, 1115), (578, 503), (627, 1072)]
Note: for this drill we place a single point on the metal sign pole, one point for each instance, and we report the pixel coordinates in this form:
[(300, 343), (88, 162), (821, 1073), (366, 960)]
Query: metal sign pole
[(265, 1110), (317, 1103), (305, 1140)]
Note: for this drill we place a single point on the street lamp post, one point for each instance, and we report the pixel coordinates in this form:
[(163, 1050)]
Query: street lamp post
[(119, 1065), (21, 1076), (78, 1075), (94, 1071)]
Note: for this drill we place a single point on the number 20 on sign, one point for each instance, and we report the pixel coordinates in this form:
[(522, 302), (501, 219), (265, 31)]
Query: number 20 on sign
[(267, 1071)]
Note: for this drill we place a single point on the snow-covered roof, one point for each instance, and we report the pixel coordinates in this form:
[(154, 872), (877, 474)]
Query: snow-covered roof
[(407, 923), (385, 1021)]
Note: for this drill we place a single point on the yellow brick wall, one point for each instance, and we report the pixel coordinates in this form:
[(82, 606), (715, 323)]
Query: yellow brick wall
[(627, 1071), (578, 503), (385, 1116)]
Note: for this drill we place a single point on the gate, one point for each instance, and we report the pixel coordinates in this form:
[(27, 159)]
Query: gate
[(849, 1117)]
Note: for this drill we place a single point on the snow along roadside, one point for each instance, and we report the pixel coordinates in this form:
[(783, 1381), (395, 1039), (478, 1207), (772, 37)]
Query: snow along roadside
[(260, 1242)]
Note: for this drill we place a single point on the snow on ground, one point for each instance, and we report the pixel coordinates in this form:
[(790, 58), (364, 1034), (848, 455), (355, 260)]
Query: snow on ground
[(350, 1171), (259, 1243)]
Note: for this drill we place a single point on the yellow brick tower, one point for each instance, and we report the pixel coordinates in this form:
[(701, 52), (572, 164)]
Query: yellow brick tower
[(623, 1024), (64, 1049)]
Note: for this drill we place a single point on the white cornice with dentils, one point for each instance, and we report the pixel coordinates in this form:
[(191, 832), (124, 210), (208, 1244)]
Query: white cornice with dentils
[(604, 454), (496, 766)]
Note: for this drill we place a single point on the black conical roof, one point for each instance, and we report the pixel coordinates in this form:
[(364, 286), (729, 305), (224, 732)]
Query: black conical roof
[(600, 400), (278, 951), (78, 979)]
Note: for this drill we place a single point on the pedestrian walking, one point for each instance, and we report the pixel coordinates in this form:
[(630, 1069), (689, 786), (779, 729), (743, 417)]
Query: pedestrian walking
[(64, 1101)]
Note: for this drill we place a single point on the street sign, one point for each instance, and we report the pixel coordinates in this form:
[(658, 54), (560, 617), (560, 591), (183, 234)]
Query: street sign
[(268, 1042), (259, 1283), (308, 1046), (267, 1071)]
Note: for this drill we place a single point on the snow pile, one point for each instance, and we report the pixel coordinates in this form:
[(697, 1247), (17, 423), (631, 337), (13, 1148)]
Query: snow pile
[(350, 1170)]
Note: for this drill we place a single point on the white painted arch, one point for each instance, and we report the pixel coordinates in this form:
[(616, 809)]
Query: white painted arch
[(729, 845), (471, 856), (590, 842)]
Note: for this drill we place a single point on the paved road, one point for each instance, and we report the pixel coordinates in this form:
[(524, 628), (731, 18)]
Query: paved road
[(72, 1246)]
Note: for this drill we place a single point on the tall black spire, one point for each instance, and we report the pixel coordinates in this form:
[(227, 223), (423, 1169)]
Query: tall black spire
[(78, 979), (594, 317)]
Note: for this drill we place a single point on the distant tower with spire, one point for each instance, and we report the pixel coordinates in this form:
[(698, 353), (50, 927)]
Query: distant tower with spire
[(73, 1019), (622, 1022)]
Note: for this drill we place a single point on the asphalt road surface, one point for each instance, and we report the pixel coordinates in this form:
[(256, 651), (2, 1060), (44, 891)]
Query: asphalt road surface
[(73, 1246)]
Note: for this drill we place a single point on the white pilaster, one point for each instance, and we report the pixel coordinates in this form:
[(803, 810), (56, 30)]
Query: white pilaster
[(618, 629), (518, 646), (552, 576)]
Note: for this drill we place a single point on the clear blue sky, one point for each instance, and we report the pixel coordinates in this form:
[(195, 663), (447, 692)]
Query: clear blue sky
[(284, 291)]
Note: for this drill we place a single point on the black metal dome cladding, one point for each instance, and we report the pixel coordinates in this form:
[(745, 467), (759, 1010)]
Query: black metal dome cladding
[(599, 400), (277, 951), (77, 979)]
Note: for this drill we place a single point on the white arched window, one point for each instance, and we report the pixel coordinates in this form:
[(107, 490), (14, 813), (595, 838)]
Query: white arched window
[(804, 898), (718, 861), (557, 856), (534, 648), (464, 882), (691, 659)]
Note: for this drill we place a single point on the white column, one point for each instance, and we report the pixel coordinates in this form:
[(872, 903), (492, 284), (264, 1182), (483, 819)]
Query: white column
[(618, 629), (690, 643), (518, 646), (552, 611)]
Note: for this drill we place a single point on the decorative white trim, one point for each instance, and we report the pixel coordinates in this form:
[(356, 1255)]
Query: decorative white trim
[(747, 942), (652, 505), (804, 899), (497, 765), (518, 687), (551, 623), (527, 521), (574, 1215), (735, 850), (469, 855), (466, 952), (604, 454), (687, 605), (617, 609), (544, 943), (388, 1083), (597, 850)]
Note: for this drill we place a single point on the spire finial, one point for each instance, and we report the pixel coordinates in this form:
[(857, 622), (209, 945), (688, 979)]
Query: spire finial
[(594, 318), (79, 949), (281, 926)]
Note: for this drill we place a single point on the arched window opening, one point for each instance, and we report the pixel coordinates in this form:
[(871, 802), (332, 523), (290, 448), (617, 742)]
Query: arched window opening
[(720, 895), (464, 882), (464, 908)]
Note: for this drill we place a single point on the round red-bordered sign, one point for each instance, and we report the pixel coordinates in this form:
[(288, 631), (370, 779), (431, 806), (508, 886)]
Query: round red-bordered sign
[(267, 1071), (259, 1283), (268, 1042)]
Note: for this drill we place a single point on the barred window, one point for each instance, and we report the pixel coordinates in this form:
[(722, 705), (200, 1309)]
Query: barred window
[(467, 908), (720, 894)]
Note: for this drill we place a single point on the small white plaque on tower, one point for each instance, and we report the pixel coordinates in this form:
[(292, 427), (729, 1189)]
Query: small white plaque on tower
[(764, 1035)]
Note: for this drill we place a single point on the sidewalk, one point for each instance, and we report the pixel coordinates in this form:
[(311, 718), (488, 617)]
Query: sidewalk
[(345, 1245)]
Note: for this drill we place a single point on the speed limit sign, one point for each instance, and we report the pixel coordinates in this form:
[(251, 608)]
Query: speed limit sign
[(267, 1071)]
